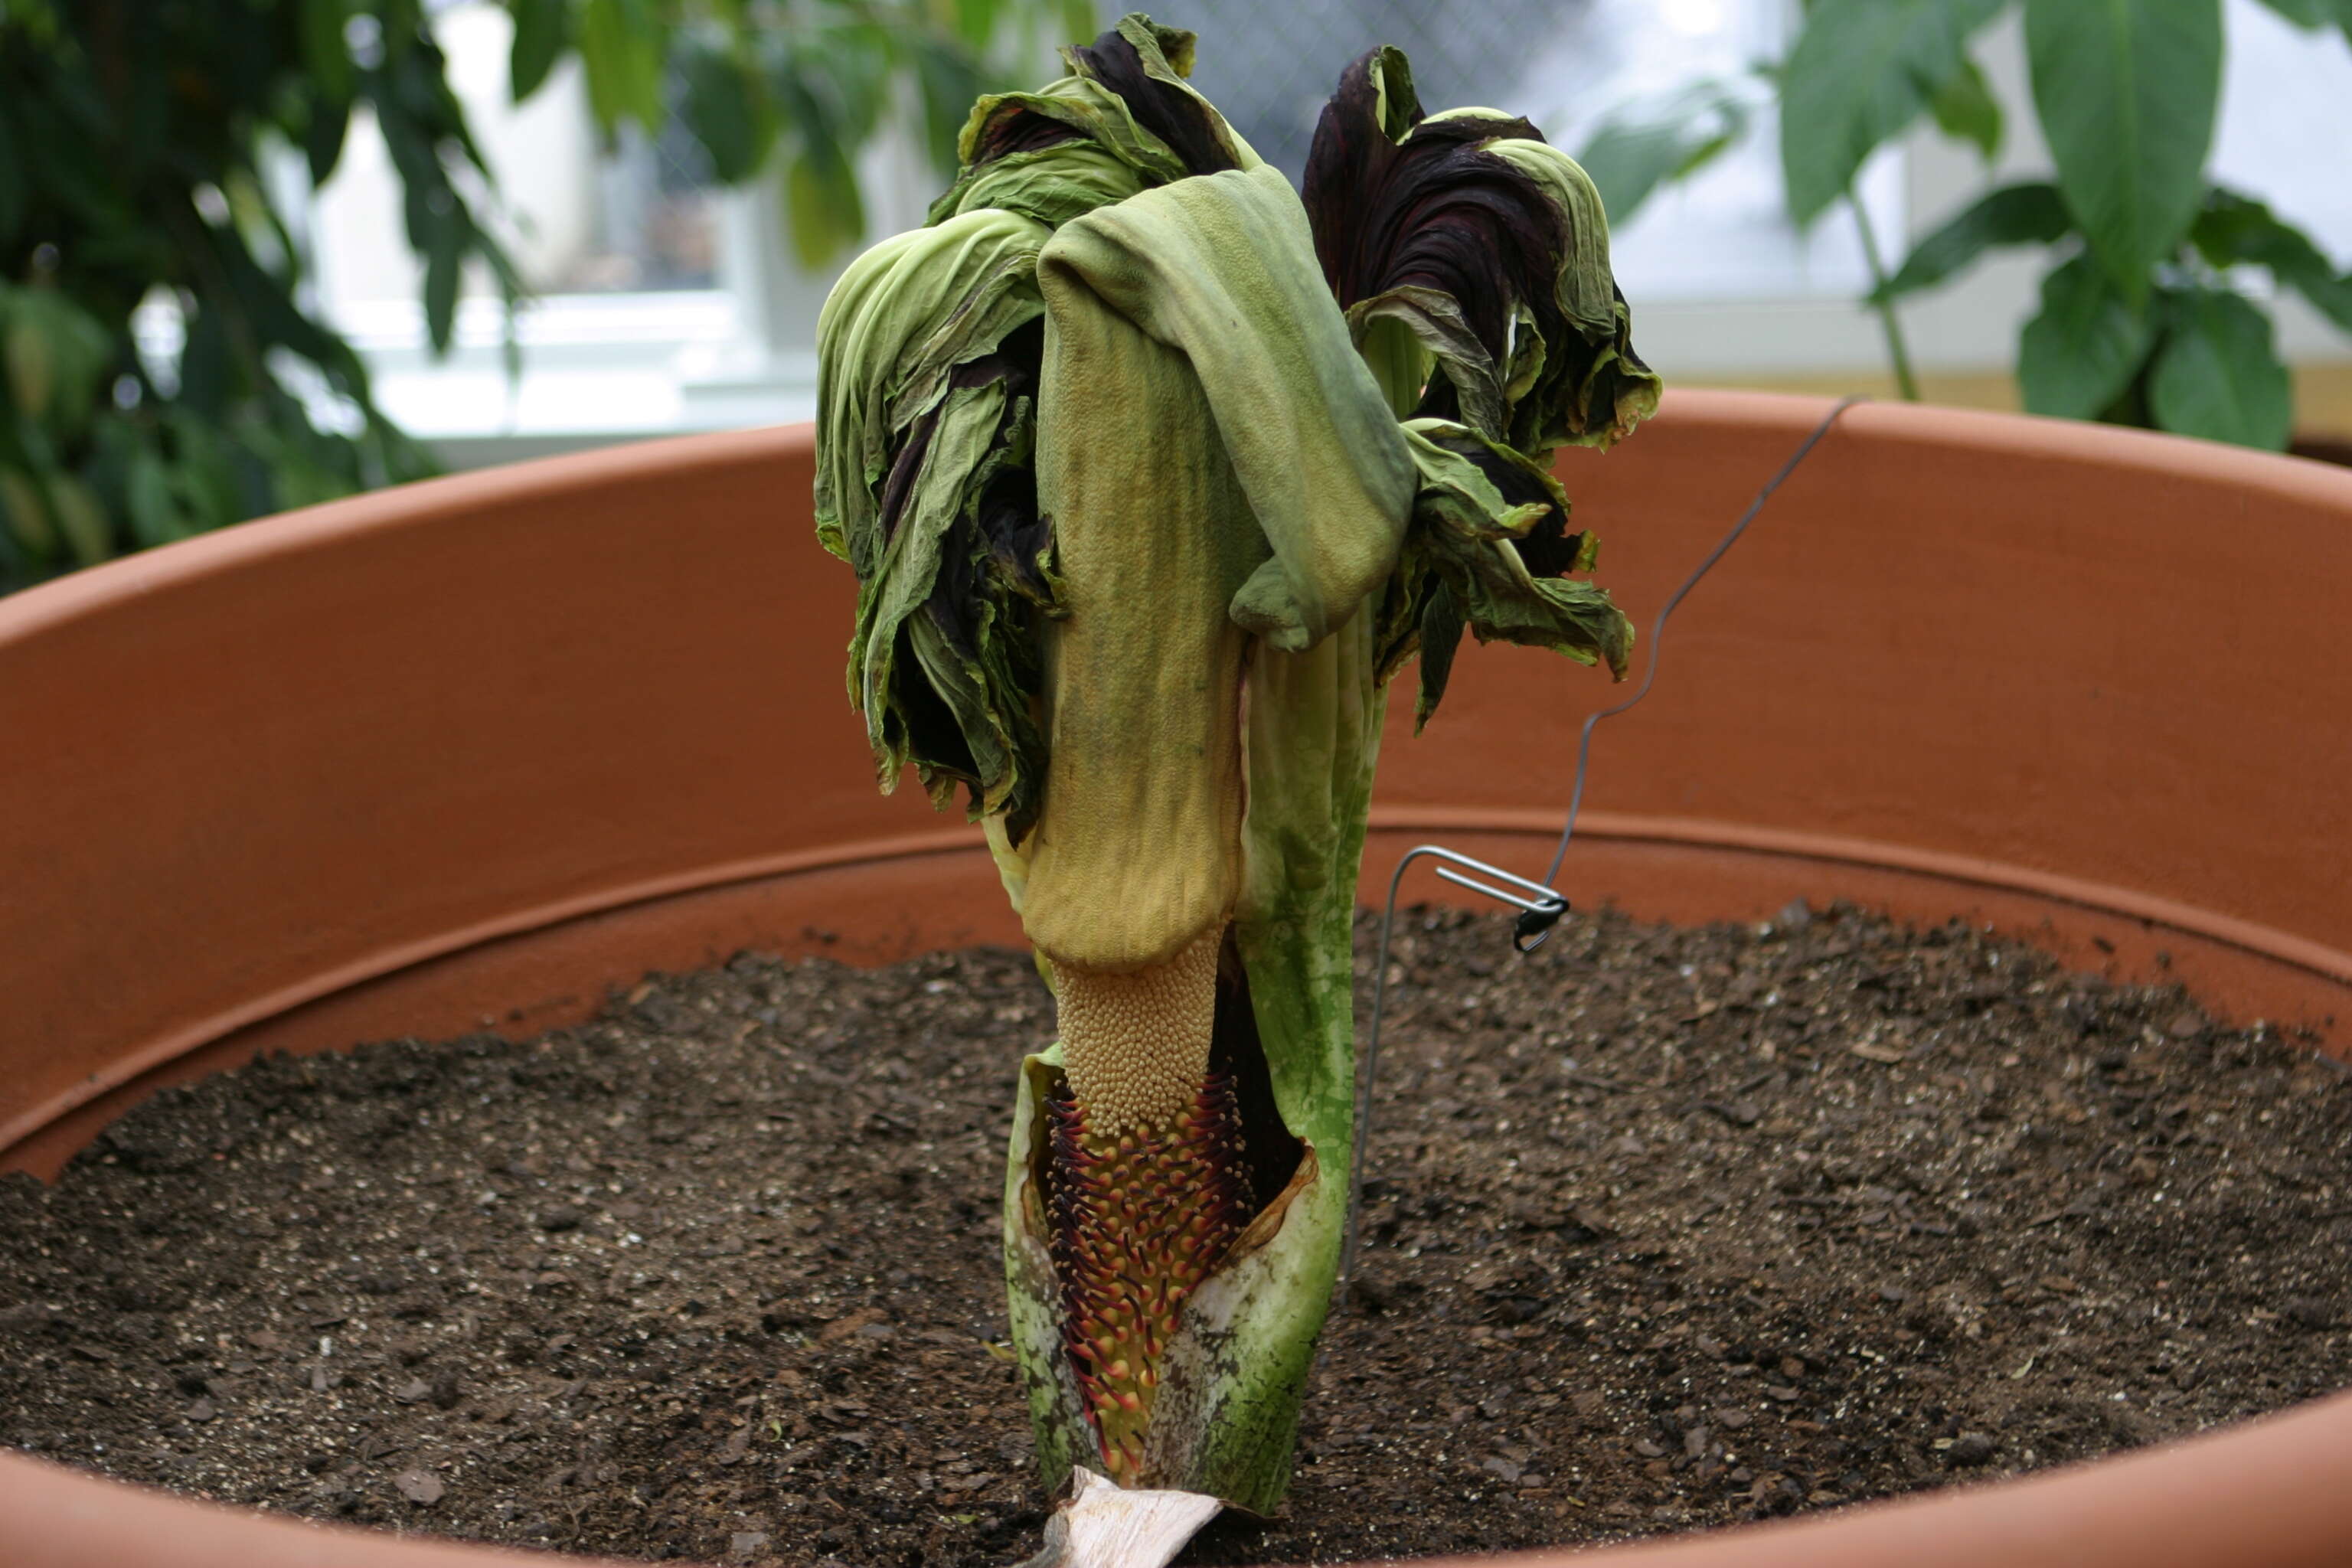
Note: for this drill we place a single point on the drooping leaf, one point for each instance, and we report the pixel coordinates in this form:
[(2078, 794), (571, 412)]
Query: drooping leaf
[(2032, 214), (2218, 374), (1861, 72), (541, 30), (1966, 110), (926, 409), (2236, 230), (1644, 145), (2078, 354), (2127, 91)]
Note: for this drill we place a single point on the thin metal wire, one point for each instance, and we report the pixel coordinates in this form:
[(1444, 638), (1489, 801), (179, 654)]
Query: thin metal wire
[(1544, 904)]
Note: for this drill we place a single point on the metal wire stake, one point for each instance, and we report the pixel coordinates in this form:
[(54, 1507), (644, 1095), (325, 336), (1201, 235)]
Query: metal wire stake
[(1543, 905)]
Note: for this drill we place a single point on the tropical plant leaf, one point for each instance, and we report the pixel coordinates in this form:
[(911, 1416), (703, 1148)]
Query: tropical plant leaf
[(728, 108), (2217, 373), (325, 55), (14, 194), (2236, 230), (1966, 110), (541, 30), (2031, 214), (1655, 142), (2127, 91), (1861, 72), (2078, 355), (622, 48)]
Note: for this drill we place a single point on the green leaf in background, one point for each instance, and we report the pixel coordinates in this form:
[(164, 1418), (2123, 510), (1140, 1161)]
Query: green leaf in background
[(1861, 72), (27, 514), (2015, 215), (2218, 374), (623, 49), (80, 519), (323, 137), (1647, 143), (54, 353), (444, 257), (2312, 13), (2078, 355), (1966, 110), (822, 206), (2236, 230), (2127, 91), (728, 110), (540, 30), (14, 194), (1080, 20), (324, 54), (947, 80)]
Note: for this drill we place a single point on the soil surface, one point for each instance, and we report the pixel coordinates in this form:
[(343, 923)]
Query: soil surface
[(1669, 1229)]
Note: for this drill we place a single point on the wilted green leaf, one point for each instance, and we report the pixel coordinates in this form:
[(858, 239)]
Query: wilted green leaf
[(2127, 91), (1966, 110), (2078, 355), (2015, 215), (2236, 230), (728, 110), (540, 33), (1647, 145), (2218, 376), (1861, 72)]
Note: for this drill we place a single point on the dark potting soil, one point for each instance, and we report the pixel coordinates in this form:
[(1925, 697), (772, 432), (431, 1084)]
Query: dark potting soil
[(1667, 1229)]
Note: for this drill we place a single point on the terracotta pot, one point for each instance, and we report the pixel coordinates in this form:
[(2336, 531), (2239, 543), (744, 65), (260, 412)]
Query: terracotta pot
[(470, 753)]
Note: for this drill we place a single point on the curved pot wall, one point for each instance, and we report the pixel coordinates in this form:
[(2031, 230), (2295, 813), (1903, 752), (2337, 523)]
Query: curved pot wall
[(472, 751)]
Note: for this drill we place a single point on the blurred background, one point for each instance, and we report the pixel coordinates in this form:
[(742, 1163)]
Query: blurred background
[(255, 253)]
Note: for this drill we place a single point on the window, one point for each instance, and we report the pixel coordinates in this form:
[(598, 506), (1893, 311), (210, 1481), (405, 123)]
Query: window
[(669, 305)]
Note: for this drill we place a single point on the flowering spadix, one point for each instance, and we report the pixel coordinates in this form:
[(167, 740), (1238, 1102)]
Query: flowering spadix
[(1152, 474)]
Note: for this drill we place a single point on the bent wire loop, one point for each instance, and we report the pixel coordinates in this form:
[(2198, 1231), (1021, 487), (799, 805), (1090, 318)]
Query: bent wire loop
[(1539, 904)]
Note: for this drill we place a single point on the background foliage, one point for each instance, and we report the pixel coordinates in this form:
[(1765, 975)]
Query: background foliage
[(143, 151), (2145, 318)]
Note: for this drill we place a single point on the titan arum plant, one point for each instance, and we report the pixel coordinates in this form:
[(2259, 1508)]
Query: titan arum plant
[(1152, 475)]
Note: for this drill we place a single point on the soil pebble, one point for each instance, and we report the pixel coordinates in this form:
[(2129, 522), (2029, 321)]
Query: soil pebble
[(1665, 1229)]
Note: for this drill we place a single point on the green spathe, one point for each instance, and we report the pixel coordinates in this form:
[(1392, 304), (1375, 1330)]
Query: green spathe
[(1152, 475)]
